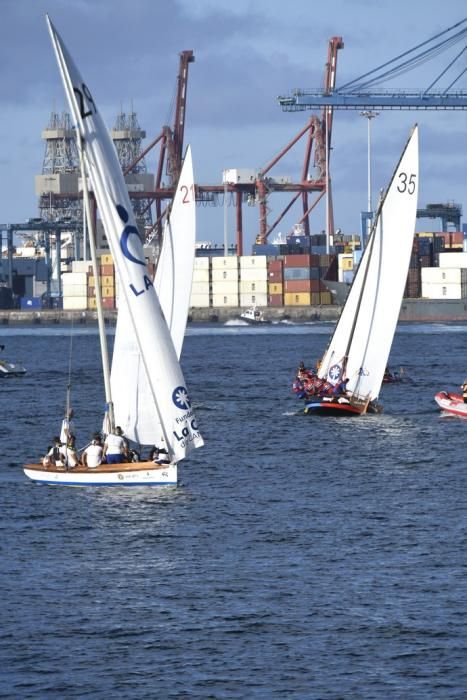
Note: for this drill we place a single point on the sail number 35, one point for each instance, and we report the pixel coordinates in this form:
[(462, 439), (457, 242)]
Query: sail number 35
[(406, 183)]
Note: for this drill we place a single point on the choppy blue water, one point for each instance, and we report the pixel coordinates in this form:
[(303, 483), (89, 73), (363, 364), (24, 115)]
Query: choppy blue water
[(300, 557)]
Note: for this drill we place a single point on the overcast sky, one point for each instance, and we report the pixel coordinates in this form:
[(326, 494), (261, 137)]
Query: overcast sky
[(246, 54)]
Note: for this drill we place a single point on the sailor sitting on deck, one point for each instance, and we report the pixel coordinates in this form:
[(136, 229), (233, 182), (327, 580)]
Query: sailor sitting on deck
[(340, 389), (92, 455), (159, 455), (56, 456), (72, 459)]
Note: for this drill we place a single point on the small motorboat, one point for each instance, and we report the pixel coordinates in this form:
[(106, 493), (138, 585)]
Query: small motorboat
[(451, 403), (253, 316), (8, 369)]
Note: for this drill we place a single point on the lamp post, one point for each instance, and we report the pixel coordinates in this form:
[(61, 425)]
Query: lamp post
[(369, 116)]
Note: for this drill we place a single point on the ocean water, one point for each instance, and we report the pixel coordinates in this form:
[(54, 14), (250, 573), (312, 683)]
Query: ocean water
[(299, 557)]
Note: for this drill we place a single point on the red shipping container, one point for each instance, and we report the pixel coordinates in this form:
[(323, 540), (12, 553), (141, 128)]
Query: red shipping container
[(314, 260), (297, 286), (275, 276), (315, 286), (276, 300), (275, 265), (108, 303), (302, 260)]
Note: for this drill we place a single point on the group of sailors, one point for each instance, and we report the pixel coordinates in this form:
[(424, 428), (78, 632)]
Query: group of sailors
[(308, 384), (114, 448)]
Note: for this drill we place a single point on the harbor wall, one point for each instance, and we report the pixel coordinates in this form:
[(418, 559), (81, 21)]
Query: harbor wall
[(412, 310)]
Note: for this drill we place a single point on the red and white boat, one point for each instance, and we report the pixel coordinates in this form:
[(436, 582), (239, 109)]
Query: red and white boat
[(451, 403)]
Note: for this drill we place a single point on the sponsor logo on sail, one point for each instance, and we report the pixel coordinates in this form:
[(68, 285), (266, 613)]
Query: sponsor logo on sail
[(180, 398)]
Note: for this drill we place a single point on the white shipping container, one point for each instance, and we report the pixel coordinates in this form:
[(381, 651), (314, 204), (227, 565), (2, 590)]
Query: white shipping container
[(253, 298), (221, 262), (75, 303), (74, 278), (200, 275), (224, 287), (224, 275), (253, 274), (200, 288), (258, 287), (447, 290), (258, 261), (444, 274), (200, 300), (75, 290), (219, 300), (453, 259), (80, 265), (202, 263)]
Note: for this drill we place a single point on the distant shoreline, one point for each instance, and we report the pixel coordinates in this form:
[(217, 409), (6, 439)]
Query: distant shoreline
[(414, 310)]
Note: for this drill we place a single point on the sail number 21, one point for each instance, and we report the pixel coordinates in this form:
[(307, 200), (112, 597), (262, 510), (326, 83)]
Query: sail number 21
[(406, 183)]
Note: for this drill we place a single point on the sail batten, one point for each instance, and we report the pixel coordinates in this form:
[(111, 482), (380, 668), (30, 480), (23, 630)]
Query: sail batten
[(147, 323)]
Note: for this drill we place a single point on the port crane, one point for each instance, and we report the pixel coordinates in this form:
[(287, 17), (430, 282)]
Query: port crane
[(360, 94)]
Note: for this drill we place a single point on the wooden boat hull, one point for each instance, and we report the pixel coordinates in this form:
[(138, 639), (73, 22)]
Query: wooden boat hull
[(127, 474), (451, 403)]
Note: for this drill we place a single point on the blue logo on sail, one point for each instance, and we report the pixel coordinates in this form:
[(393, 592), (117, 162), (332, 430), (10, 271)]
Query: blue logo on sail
[(126, 233), (180, 398), (335, 373)]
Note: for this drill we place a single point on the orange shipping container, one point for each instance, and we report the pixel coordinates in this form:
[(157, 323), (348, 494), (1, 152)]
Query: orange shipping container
[(107, 271), (297, 299), (108, 303), (297, 285)]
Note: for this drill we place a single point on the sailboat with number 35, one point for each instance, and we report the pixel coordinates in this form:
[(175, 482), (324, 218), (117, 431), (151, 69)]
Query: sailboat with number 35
[(359, 348)]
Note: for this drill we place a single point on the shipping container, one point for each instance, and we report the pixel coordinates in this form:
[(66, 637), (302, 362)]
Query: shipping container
[(456, 275), (275, 288), (296, 273), (297, 261), (298, 286), (74, 278), (274, 276), (200, 300), (221, 262), (75, 303), (297, 299), (106, 259), (202, 263), (220, 300), (225, 287), (275, 265), (275, 300), (325, 298), (257, 299), (75, 290), (108, 302), (107, 271), (345, 261), (315, 298), (259, 286), (201, 275), (256, 261), (224, 275), (446, 290), (200, 288), (252, 274), (453, 259)]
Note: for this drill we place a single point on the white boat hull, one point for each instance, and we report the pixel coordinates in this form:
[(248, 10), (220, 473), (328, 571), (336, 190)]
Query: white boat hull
[(135, 474)]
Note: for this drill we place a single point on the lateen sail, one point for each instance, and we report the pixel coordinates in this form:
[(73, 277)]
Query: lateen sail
[(133, 401), (176, 417), (363, 336)]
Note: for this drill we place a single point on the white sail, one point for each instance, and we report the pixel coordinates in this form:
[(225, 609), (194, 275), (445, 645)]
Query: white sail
[(133, 401), (364, 334), (147, 323)]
